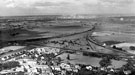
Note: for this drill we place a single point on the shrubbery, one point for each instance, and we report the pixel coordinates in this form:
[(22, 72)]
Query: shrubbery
[(111, 42), (132, 47), (9, 65)]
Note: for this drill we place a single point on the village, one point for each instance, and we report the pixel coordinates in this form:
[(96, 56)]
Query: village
[(45, 61)]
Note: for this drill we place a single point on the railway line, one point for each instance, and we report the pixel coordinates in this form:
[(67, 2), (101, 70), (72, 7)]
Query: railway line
[(92, 43)]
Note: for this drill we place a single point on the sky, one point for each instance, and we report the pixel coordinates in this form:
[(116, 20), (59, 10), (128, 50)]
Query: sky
[(45, 7)]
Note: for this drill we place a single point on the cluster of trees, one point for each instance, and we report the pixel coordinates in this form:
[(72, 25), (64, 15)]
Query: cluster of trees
[(9, 65), (111, 42), (117, 48), (101, 55), (132, 47), (97, 71), (105, 62)]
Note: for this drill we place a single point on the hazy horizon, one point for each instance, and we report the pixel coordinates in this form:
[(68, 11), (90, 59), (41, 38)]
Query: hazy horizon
[(65, 7)]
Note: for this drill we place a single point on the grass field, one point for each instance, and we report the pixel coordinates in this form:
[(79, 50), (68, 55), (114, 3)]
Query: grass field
[(44, 31), (116, 30), (80, 59)]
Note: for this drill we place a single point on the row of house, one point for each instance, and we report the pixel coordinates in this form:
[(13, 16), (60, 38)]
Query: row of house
[(46, 50), (29, 67), (13, 54)]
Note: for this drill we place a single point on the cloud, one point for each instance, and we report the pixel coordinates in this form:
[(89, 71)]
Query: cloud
[(44, 4), (25, 3), (64, 3), (118, 2), (66, 6)]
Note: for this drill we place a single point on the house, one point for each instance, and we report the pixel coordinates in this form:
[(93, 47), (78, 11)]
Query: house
[(65, 66), (19, 69), (57, 68), (89, 67), (127, 72), (47, 50)]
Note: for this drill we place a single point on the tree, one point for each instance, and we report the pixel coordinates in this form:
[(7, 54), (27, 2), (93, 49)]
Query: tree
[(68, 57), (10, 64), (105, 62), (114, 47), (0, 66), (132, 47), (59, 59), (129, 65)]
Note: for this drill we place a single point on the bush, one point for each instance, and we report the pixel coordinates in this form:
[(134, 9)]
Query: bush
[(111, 42), (132, 47), (105, 62), (9, 65)]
